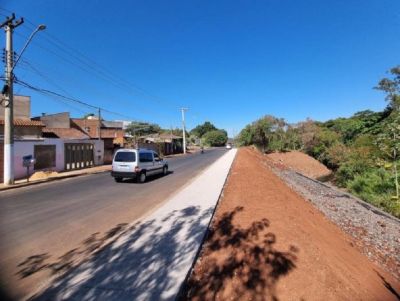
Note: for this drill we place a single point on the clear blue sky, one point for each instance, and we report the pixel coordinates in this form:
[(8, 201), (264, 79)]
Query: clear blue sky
[(229, 62)]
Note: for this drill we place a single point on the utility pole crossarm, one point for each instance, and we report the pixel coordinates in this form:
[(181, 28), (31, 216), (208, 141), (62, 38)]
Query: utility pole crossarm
[(7, 21)]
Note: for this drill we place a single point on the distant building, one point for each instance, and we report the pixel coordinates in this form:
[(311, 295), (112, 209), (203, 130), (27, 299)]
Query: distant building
[(164, 143)]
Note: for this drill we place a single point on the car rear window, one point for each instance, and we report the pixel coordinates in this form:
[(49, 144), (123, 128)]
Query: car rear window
[(125, 157)]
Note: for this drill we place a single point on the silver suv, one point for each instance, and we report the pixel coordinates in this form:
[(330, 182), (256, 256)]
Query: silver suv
[(137, 164)]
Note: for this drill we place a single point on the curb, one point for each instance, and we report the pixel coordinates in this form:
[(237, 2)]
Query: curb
[(48, 180)]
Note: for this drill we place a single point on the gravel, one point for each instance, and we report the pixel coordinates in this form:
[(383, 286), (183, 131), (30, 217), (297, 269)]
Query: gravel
[(376, 233)]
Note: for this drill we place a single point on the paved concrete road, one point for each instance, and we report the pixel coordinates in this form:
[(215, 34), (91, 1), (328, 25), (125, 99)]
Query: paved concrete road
[(43, 228)]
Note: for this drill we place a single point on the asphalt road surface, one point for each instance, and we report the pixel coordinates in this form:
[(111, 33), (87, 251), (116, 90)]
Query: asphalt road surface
[(42, 227)]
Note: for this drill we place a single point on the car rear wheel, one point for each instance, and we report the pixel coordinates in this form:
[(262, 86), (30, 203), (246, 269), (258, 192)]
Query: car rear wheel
[(165, 170), (142, 177), (118, 179)]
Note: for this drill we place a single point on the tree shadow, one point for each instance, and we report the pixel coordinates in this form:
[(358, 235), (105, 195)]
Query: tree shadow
[(246, 265), (36, 263), (145, 261), (389, 286)]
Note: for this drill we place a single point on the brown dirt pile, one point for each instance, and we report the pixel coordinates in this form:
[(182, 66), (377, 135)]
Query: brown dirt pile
[(42, 175), (301, 163), (267, 243)]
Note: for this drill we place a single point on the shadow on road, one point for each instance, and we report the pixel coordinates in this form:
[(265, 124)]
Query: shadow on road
[(142, 263), (149, 178), (39, 262), (239, 263)]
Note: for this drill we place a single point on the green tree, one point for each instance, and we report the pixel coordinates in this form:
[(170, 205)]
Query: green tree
[(347, 128), (292, 138), (202, 129), (391, 86), (262, 130), (245, 136), (215, 138)]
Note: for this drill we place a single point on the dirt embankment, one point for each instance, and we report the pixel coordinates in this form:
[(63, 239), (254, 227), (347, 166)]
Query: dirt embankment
[(267, 243), (301, 163)]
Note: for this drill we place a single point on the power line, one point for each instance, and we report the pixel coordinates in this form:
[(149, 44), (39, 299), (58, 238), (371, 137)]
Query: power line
[(49, 92), (87, 64), (101, 71), (46, 78), (89, 71)]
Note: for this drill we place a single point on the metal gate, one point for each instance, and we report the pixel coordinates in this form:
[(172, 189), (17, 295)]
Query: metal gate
[(78, 155)]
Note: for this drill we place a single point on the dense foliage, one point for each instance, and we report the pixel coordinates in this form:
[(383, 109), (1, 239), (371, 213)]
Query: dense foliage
[(363, 150), (215, 138), (208, 134), (202, 129)]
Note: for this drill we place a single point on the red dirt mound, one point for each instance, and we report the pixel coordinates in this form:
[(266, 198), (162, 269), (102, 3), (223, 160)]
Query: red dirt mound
[(301, 163)]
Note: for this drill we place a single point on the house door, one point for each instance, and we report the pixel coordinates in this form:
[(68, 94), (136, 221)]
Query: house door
[(78, 155)]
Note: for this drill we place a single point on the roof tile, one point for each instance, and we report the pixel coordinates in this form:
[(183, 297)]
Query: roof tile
[(69, 133), (24, 122)]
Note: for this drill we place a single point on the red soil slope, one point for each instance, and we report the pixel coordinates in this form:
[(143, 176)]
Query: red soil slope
[(267, 243)]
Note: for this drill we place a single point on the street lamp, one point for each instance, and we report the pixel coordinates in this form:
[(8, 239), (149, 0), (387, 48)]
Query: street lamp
[(39, 28)]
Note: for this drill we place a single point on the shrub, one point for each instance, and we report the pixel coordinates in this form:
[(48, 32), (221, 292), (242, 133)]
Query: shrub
[(375, 186)]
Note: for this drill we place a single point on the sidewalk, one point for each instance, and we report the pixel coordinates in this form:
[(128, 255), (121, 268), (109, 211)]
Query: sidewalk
[(57, 176), (152, 258)]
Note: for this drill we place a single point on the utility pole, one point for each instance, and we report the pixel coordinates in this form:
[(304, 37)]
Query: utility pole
[(183, 129), (99, 124), (9, 26)]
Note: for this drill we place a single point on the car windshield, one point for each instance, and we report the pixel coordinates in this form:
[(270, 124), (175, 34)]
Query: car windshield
[(125, 157)]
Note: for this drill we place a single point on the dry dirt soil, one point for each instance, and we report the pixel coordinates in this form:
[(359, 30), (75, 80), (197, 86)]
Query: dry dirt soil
[(300, 162), (267, 243)]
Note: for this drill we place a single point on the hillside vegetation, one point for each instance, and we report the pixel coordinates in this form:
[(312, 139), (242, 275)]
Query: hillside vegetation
[(362, 150)]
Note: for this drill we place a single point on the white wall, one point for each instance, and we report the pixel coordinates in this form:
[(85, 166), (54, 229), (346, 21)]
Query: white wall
[(26, 147)]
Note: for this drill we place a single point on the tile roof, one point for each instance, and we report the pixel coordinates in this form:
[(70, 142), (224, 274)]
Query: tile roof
[(24, 122), (69, 133)]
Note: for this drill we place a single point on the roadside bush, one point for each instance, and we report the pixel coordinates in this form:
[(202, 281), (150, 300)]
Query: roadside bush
[(375, 187)]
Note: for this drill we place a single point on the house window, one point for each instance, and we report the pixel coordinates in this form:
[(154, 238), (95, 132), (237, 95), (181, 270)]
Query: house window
[(87, 129)]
